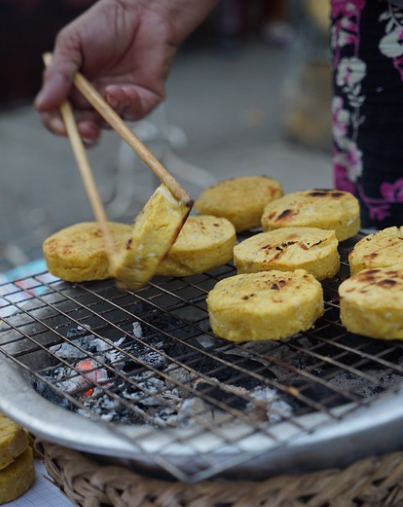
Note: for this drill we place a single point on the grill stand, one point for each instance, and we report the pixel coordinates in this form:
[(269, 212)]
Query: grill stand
[(348, 390), (371, 482)]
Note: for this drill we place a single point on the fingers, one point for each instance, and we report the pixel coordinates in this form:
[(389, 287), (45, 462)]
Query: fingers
[(88, 124), (58, 77), (130, 102)]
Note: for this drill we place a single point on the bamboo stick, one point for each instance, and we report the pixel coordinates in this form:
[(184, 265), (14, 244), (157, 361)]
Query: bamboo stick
[(114, 120), (86, 173)]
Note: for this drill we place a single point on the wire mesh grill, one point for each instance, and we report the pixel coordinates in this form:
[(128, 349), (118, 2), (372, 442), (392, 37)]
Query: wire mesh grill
[(149, 360)]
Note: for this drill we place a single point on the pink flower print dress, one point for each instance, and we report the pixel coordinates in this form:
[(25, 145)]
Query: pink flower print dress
[(367, 108)]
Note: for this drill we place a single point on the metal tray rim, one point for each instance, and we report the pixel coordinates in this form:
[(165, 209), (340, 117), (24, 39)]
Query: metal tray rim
[(335, 444)]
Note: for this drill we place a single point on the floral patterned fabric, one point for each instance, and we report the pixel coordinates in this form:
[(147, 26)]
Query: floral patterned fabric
[(367, 109)]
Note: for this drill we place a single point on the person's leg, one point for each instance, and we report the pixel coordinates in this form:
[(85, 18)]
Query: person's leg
[(368, 107)]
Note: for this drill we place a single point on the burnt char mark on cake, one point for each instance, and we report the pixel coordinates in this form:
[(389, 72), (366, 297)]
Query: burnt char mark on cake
[(387, 283), (278, 254), (367, 276), (319, 193), (307, 246), (392, 272), (287, 213), (285, 244), (369, 272), (317, 243), (326, 192), (275, 284), (246, 296)]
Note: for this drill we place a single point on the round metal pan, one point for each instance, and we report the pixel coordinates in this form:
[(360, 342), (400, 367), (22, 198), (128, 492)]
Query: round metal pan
[(371, 430)]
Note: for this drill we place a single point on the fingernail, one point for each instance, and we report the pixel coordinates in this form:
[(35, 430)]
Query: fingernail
[(112, 101), (89, 142), (57, 125)]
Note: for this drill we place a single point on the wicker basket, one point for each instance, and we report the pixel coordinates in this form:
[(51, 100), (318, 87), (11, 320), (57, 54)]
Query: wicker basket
[(375, 481)]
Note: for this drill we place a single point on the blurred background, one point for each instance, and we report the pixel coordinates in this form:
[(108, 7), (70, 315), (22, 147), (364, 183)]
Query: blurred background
[(249, 93)]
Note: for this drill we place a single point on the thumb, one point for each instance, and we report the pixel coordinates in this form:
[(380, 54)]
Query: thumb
[(57, 79)]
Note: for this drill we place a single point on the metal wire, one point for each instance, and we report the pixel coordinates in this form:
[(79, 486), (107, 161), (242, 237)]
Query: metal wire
[(157, 350)]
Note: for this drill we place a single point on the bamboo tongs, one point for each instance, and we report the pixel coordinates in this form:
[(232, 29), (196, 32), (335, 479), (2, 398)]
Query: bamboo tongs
[(116, 122), (136, 264)]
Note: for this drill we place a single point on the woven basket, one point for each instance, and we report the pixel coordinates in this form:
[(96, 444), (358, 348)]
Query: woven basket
[(375, 481)]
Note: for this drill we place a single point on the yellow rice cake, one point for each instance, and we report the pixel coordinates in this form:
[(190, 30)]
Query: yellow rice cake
[(327, 209), (18, 477), (13, 441), (288, 249), (381, 249), (78, 254), (241, 200), (153, 233), (269, 305), (205, 242), (371, 303)]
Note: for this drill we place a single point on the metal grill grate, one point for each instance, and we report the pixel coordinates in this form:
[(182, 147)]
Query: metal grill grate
[(156, 378)]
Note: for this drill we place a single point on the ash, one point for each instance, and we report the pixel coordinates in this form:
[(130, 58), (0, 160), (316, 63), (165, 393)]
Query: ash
[(147, 378), (126, 382)]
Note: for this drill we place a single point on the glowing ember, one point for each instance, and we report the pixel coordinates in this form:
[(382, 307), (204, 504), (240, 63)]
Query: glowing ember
[(91, 372)]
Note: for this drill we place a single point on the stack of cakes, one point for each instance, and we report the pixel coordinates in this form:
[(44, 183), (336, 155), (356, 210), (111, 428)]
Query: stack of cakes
[(17, 470)]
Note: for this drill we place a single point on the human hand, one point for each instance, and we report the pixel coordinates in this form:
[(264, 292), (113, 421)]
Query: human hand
[(125, 48)]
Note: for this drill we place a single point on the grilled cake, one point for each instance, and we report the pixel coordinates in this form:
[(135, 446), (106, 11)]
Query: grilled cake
[(153, 233), (204, 243), (13, 441), (371, 303), (288, 249), (77, 253), (381, 249), (17, 477), (17, 472), (264, 306), (241, 200), (327, 209)]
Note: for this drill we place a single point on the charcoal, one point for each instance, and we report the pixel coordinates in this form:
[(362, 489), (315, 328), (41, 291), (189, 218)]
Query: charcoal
[(77, 332), (51, 394), (249, 365), (318, 393), (218, 394)]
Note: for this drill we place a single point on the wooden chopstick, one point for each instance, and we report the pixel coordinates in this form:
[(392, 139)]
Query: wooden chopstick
[(86, 174), (114, 120)]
